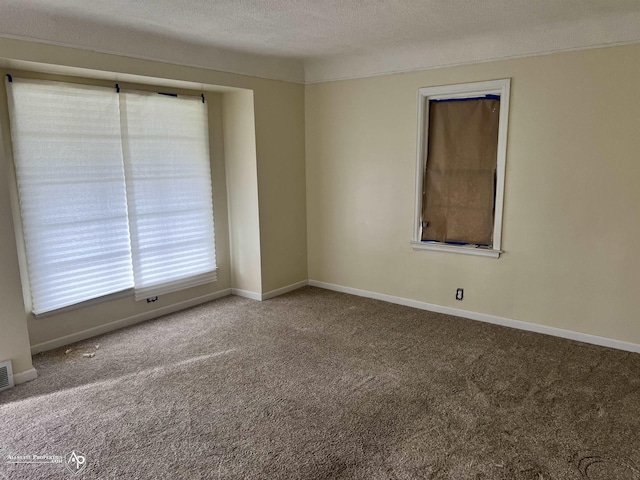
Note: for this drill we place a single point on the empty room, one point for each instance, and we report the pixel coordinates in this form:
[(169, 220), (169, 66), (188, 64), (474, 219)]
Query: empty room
[(393, 239)]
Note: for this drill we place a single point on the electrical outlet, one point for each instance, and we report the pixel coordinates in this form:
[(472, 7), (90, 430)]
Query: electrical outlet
[(152, 299), (459, 293)]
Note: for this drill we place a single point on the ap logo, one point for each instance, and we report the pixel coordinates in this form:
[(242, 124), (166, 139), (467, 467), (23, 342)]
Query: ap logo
[(75, 461)]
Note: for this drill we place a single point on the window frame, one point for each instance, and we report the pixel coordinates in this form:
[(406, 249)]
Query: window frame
[(117, 85), (500, 87)]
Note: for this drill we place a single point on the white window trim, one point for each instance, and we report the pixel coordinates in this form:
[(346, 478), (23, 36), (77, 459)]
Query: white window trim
[(493, 87)]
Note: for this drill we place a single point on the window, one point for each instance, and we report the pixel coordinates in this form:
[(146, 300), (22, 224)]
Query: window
[(461, 152), (115, 191), (166, 156)]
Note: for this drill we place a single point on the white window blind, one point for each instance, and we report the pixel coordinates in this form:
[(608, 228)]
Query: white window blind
[(68, 157), (166, 155)]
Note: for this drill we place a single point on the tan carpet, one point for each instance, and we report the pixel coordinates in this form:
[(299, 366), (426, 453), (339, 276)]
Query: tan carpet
[(318, 385)]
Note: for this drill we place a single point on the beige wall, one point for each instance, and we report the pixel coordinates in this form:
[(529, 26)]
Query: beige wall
[(571, 219), (242, 181), (279, 108), (281, 189), (14, 338), (571, 199)]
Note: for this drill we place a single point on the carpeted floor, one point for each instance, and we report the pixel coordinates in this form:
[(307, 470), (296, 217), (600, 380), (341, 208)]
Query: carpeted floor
[(320, 385)]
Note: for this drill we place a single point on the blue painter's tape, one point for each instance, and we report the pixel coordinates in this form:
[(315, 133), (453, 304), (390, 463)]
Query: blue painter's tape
[(466, 99)]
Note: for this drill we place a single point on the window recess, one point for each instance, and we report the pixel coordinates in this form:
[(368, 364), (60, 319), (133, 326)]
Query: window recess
[(461, 152)]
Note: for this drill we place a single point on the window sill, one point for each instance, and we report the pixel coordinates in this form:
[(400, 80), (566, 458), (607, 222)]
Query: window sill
[(463, 249), (87, 303)]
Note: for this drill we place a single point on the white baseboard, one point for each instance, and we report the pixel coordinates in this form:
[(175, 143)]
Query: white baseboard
[(125, 322), (483, 317), (25, 376), (283, 290), (271, 294), (246, 294)]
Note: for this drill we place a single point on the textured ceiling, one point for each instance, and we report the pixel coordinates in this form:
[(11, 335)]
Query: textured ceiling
[(282, 34)]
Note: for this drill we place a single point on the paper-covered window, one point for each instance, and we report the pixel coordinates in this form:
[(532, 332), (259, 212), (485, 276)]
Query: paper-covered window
[(458, 202), (461, 159)]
